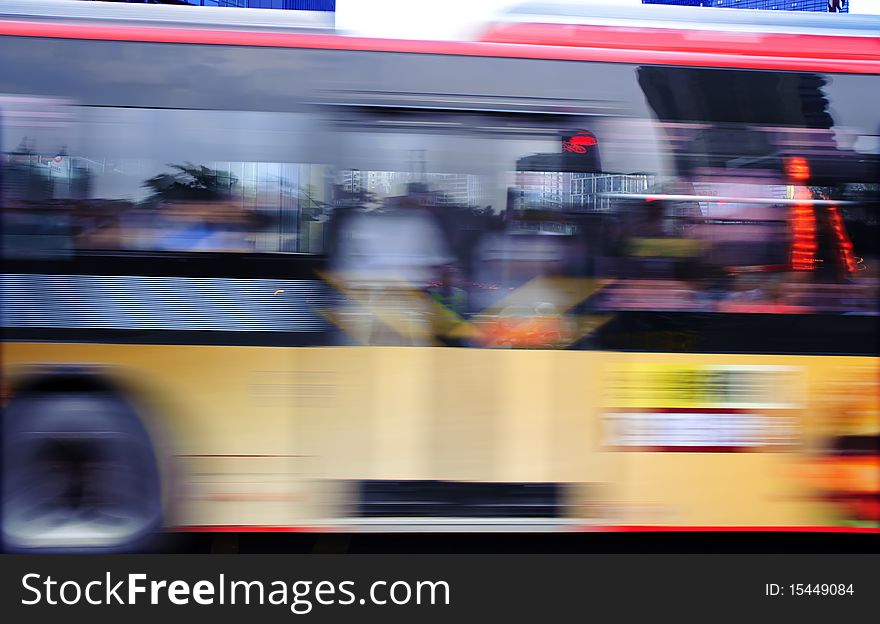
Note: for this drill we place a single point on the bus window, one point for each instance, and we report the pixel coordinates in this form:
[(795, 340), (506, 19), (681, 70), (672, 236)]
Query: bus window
[(169, 180)]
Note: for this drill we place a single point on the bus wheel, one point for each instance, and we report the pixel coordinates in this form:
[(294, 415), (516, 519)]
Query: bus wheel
[(79, 474)]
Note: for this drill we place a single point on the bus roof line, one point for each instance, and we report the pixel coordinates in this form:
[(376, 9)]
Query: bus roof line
[(772, 52)]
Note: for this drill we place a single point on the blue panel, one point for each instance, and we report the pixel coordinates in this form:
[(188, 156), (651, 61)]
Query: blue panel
[(301, 5), (172, 303), (772, 5), (311, 5)]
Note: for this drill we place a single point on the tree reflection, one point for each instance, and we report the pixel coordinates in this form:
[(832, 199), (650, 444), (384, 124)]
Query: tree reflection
[(190, 182)]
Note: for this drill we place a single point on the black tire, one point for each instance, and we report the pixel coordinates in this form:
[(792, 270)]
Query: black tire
[(79, 474)]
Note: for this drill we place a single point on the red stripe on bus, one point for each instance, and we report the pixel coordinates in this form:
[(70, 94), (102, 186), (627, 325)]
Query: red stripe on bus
[(680, 448), (775, 52), (593, 529), (739, 529), (688, 40), (688, 410)]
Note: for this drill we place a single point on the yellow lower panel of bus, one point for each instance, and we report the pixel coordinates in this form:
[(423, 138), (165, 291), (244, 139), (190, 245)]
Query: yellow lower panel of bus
[(284, 436)]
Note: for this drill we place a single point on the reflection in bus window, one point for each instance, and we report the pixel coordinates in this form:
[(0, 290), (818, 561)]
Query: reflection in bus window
[(727, 212), (171, 180)]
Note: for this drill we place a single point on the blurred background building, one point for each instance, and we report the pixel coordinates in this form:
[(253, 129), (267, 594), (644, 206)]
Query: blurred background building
[(840, 6), (301, 5)]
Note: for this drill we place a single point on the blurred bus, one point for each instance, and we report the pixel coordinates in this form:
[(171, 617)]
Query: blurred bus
[(590, 270)]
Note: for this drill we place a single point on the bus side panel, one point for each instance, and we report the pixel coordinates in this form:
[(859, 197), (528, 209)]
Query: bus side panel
[(277, 436)]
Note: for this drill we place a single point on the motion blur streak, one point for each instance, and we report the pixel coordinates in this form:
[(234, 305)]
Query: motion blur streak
[(276, 279)]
